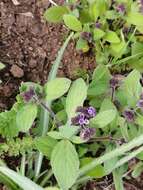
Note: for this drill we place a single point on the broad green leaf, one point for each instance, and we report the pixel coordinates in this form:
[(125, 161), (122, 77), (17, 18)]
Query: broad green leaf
[(56, 88), (132, 88), (45, 145), (82, 45), (55, 134), (72, 22), (55, 14), (65, 164), (135, 18), (26, 116), (137, 47), (112, 37), (76, 97), (100, 81), (104, 118), (96, 172), (118, 49), (94, 11), (68, 131), (21, 181), (98, 34), (2, 66)]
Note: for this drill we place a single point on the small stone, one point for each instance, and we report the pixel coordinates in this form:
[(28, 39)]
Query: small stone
[(16, 71)]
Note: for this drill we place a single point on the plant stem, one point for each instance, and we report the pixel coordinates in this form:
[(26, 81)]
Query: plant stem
[(117, 152), (44, 116), (22, 168), (44, 181)]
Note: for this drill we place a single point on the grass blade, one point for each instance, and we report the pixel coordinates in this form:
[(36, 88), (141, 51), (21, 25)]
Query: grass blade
[(44, 116)]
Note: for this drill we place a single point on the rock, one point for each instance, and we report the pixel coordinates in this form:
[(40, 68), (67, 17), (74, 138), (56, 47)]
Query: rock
[(16, 71)]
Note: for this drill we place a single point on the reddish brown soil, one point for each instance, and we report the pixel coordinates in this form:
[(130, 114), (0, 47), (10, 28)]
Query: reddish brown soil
[(29, 45)]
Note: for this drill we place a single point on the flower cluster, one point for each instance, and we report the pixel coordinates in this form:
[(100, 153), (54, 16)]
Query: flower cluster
[(140, 102), (82, 120), (86, 36), (129, 115), (121, 8), (28, 95)]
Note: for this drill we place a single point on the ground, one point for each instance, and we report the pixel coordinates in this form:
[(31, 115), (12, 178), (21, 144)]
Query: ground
[(28, 47)]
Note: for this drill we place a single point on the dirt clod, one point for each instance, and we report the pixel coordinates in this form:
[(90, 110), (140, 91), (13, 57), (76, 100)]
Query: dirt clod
[(16, 71)]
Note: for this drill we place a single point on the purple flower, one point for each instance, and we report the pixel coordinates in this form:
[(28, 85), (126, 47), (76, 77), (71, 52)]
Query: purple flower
[(98, 25), (129, 115), (28, 95), (140, 104), (80, 120), (91, 111), (87, 133), (86, 36), (114, 83), (121, 8)]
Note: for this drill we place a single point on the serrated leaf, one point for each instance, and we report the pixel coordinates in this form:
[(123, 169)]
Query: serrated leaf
[(65, 164), (112, 37), (72, 22), (55, 14), (26, 116), (56, 88), (76, 97), (104, 118)]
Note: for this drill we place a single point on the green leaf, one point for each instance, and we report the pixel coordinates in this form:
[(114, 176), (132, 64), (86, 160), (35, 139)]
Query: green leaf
[(96, 172), (135, 18), (55, 135), (76, 97), (45, 145), (94, 11), (22, 181), (72, 22), (26, 116), (55, 14), (132, 88), (98, 34), (117, 177), (56, 88), (68, 131), (64, 154), (118, 49), (104, 118), (100, 81), (8, 127), (112, 37), (52, 188), (137, 170), (82, 45), (2, 66)]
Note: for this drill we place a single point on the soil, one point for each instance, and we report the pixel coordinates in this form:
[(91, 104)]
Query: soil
[(28, 47)]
